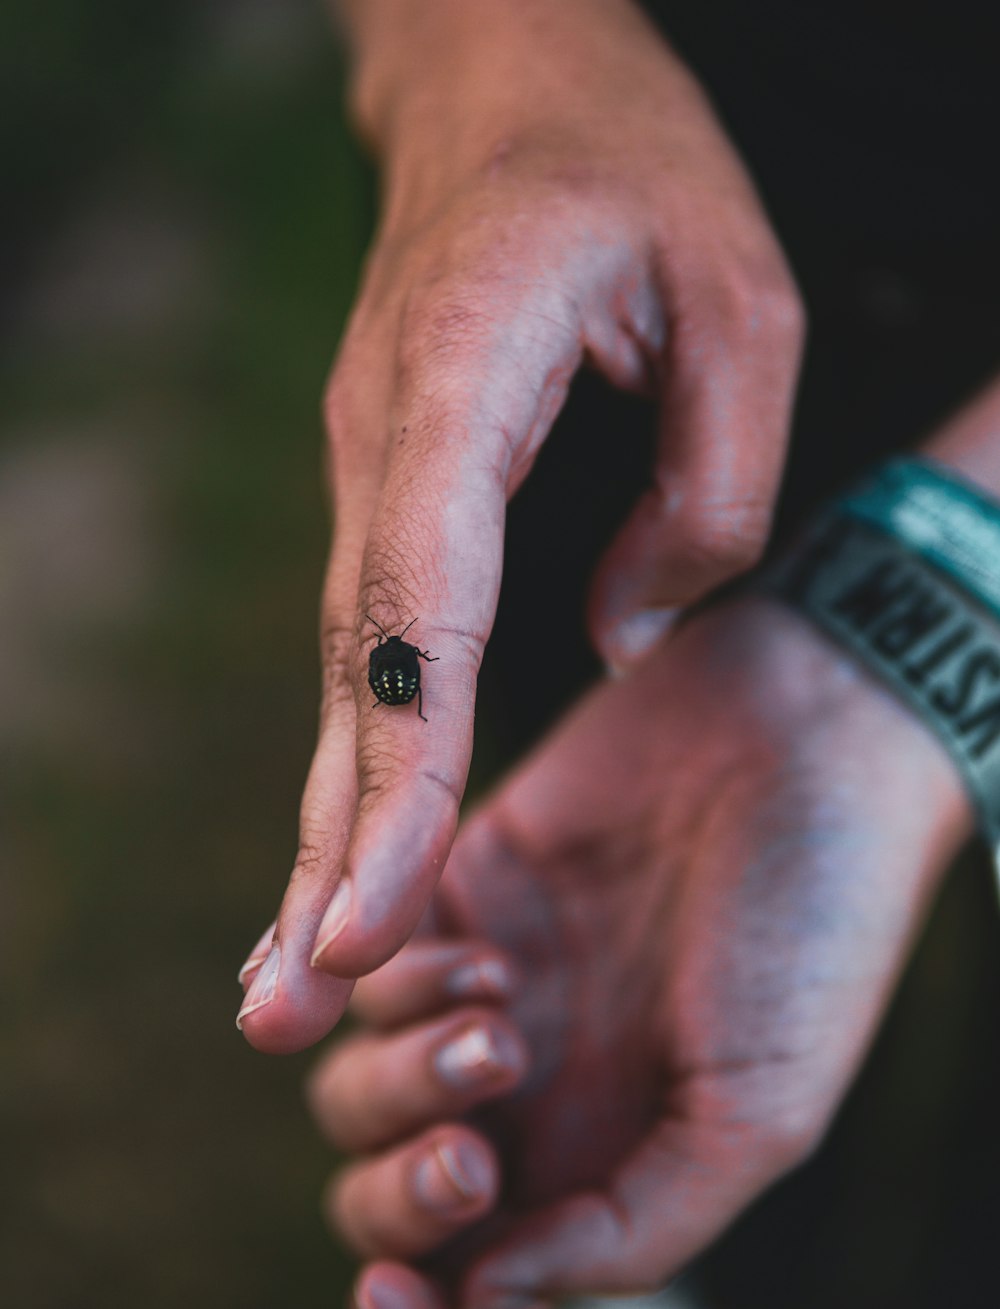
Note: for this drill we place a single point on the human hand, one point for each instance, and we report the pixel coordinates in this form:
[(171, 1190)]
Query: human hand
[(557, 191), (707, 880)]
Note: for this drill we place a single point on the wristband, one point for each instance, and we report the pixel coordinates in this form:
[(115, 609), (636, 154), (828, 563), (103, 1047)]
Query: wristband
[(905, 572), (944, 518)]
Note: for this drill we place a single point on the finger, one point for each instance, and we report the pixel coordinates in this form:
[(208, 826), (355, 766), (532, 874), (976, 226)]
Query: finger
[(477, 390), (676, 1194), (385, 1285), (412, 1199), (427, 977), (256, 957), (373, 1089), (290, 1005), (730, 366)]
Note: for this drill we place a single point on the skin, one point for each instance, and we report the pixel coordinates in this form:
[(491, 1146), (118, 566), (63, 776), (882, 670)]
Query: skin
[(705, 899), (678, 955), (556, 193), (705, 928)]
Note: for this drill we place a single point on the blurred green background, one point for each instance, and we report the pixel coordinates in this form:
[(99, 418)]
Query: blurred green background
[(183, 219), (184, 215)]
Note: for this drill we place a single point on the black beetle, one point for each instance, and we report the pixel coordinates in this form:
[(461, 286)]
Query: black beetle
[(393, 671)]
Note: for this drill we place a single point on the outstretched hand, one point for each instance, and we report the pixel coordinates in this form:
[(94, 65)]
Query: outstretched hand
[(654, 963), (557, 191)]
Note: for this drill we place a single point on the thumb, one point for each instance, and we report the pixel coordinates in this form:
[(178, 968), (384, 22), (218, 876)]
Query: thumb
[(730, 366), (679, 1190)]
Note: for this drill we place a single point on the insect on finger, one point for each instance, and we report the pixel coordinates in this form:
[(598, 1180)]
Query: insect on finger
[(393, 670)]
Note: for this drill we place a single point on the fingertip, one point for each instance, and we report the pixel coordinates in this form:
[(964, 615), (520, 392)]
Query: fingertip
[(489, 975), (628, 641), (413, 1198), (386, 1285), (458, 1175), (256, 957), (289, 1007)]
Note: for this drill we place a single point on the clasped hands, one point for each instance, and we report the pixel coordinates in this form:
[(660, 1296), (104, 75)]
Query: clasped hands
[(631, 991)]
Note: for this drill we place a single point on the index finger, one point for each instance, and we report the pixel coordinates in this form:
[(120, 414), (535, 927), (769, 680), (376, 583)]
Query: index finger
[(426, 449), (474, 405)]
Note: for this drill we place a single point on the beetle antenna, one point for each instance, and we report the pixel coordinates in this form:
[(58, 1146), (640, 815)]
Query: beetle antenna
[(378, 625), (407, 628)]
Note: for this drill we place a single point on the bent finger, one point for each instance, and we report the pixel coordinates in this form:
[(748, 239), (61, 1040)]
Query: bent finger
[(382, 1284), (476, 396), (413, 1199), (373, 1089), (426, 977), (730, 368)]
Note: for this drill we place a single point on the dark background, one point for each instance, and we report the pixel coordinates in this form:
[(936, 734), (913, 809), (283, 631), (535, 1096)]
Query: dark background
[(183, 220)]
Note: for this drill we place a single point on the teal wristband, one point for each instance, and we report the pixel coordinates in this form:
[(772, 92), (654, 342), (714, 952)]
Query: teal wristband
[(939, 515), (905, 573)]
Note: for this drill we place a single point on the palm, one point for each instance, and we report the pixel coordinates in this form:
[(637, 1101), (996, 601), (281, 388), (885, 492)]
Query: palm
[(707, 877), (701, 884)]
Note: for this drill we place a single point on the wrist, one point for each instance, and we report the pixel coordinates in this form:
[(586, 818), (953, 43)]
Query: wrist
[(410, 59), (824, 695), (455, 76), (901, 572)]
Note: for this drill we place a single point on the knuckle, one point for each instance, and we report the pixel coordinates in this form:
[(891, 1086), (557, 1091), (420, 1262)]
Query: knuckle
[(728, 537), (343, 413), (786, 308), (344, 1217), (317, 1098), (788, 1139), (758, 297), (336, 1099), (448, 787), (470, 646), (399, 566), (369, 1227), (312, 859), (337, 644), (441, 328), (781, 314), (315, 1088), (335, 408), (379, 771)]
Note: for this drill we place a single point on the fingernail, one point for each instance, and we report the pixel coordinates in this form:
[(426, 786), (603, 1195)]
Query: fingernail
[(375, 1294), (451, 1175), (257, 955), (473, 1057), (488, 977), (635, 636), (263, 987), (334, 920)]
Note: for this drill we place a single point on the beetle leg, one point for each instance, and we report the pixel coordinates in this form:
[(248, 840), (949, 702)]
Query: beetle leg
[(420, 704), (376, 704), (431, 659)]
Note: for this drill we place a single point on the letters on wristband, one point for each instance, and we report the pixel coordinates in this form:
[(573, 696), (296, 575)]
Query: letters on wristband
[(905, 572)]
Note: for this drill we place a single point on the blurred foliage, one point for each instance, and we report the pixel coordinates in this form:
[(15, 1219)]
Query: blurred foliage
[(184, 227), (183, 222)]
